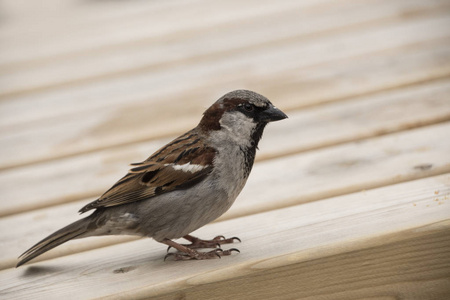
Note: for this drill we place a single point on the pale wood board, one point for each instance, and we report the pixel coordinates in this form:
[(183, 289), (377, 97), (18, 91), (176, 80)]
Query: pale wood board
[(348, 199), (417, 267), (89, 175), (95, 130), (93, 26), (227, 70), (90, 28), (190, 49), (274, 184), (380, 234), (45, 221)]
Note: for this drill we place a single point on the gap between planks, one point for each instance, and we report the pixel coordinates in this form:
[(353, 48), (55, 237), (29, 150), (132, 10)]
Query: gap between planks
[(423, 28), (354, 121), (338, 89), (308, 177), (337, 75), (328, 9), (178, 32), (311, 234), (413, 266), (182, 22)]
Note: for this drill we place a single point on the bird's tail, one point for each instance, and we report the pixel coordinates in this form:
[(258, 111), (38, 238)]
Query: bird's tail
[(71, 231)]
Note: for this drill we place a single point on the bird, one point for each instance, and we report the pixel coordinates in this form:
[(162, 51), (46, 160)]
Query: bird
[(183, 186)]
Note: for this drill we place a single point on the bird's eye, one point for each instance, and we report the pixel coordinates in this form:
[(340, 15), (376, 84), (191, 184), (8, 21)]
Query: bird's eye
[(248, 107)]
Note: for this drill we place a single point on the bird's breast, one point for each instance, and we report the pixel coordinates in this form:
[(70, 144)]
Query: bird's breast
[(230, 169)]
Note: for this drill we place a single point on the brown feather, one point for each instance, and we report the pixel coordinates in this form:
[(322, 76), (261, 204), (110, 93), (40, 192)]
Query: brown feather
[(161, 172)]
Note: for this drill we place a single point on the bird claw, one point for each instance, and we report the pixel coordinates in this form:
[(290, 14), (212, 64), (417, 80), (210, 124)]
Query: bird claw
[(229, 251), (235, 238), (188, 252), (216, 242), (222, 240), (194, 255)]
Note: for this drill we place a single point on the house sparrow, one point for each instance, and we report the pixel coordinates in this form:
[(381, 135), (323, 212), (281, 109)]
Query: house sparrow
[(184, 185)]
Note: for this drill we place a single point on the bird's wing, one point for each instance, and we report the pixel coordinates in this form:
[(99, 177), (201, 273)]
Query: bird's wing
[(180, 164)]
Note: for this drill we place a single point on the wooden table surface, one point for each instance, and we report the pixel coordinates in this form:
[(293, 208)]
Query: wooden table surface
[(349, 197)]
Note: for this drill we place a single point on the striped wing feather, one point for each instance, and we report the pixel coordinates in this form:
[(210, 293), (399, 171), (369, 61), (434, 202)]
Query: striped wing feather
[(180, 164)]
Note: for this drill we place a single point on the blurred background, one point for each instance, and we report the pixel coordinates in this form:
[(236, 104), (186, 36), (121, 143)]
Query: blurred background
[(84, 75), (88, 86)]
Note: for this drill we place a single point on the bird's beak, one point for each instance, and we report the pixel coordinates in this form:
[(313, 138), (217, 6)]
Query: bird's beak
[(272, 114)]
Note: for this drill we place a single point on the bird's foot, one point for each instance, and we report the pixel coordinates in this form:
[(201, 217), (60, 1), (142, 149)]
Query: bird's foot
[(216, 242), (187, 253), (193, 254)]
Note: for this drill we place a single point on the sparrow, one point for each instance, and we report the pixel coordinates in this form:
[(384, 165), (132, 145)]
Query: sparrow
[(183, 186)]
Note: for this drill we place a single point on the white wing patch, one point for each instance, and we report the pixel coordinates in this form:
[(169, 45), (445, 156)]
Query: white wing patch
[(187, 167)]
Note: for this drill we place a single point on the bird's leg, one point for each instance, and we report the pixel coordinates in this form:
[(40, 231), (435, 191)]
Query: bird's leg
[(216, 242), (186, 253)]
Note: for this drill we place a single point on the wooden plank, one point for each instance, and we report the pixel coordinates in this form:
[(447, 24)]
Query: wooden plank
[(95, 25), (85, 28), (196, 47), (397, 242), (194, 75), (358, 118), (274, 184), (375, 272), (45, 221), (117, 125), (78, 177), (346, 168), (332, 223)]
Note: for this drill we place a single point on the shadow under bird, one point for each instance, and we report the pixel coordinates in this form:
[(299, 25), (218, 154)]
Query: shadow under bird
[(184, 185)]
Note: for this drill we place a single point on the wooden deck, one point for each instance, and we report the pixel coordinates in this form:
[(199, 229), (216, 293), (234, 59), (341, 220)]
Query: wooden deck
[(349, 198)]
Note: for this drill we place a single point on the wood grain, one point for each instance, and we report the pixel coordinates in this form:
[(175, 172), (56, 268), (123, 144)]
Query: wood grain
[(279, 183), (89, 175), (417, 267), (397, 232), (348, 199), (193, 48), (93, 26), (93, 130)]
